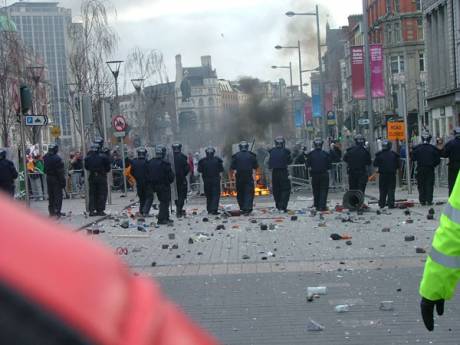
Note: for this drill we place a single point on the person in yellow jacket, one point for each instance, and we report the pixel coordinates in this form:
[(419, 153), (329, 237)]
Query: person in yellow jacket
[(442, 269)]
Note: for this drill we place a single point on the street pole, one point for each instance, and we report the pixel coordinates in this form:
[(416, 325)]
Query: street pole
[(122, 139), (300, 68), (104, 124), (83, 147), (24, 159), (321, 81), (367, 73), (290, 79), (421, 109), (402, 87)]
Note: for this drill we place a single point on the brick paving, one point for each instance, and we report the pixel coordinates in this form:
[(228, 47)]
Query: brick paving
[(248, 286)]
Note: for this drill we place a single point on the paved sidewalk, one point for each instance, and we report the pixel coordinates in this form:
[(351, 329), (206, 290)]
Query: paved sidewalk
[(75, 209)]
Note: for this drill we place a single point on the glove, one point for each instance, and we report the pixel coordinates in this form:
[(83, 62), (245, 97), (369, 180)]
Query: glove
[(427, 308)]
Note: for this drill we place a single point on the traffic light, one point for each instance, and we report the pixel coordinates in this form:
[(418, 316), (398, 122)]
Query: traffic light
[(26, 99)]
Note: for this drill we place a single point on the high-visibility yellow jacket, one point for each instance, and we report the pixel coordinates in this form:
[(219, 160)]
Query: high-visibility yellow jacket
[(442, 269)]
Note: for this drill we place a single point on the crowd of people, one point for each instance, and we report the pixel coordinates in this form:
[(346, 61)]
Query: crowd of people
[(155, 176)]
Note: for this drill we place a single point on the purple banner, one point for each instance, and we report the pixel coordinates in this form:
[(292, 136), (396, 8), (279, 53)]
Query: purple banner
[(377, 82), (357, 72)]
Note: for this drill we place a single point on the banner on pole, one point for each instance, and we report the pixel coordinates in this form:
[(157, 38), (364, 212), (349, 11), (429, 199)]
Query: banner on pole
[(308, 111), (377, 81), (316, 98), (357, 72), (299, 116)]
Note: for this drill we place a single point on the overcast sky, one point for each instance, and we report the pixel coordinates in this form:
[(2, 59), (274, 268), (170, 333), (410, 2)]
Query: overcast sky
[(240, 35)]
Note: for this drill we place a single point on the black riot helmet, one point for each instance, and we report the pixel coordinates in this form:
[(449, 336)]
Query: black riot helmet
[(105, 150), (176, 147), (53, 148), (94, 147), (426, 137), (99, 141), (360, 140), (160, 151), (457, 132), (210, 151), (141, 153), (386, 145), (318, 143), (244, 146), (280, 142), (2, 153)]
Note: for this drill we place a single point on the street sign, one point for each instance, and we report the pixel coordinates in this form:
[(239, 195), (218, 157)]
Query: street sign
[(363, 122), (119, 123), (55, 132), (36, 120), (396, 130), (331, 120), (119, 134)]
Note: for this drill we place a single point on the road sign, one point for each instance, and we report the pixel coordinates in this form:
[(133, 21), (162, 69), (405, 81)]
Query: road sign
[(119, 123), (36, 120), (396, 130), (55, 132), (119, 134), (363, 122)]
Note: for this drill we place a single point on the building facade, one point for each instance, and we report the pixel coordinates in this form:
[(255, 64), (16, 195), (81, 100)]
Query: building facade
[(43, 27), (398, 26), (442, 25)]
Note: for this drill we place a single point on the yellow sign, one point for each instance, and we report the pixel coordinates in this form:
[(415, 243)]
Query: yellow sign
[(396, 130), (55, 132)]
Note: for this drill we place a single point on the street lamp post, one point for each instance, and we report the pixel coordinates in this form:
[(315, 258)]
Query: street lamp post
[(36, 73), (290, 76), (138, 84), (300, 61), (114, 67), (320, 61), (75, 88)]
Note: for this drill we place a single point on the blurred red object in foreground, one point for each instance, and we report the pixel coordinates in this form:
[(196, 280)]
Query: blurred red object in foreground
[(79, 288)]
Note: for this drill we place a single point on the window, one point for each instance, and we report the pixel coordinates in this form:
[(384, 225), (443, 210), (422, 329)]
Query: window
[(418, 5), (421, 62), (396, 6), (397, 32), (419, 29), (397, 64), (388, 6)]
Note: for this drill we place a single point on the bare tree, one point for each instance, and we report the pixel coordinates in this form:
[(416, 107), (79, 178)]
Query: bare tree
[(147, 65), (93, 41), (12, 57)]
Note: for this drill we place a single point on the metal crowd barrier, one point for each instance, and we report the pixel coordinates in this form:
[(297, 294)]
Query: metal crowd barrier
[(441, 173)]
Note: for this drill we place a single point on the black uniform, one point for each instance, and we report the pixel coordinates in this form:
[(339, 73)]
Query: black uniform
[(159, 179), (278, 162), (210, 169), (452, 151), (98, 165), (427, 157), (244, 163), (182, 169), (139, 172), (358, 159), (319, 162), (55, 179), (8, 174), (387, 162)]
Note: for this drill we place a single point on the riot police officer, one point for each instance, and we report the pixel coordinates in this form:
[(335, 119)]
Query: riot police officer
[(138, 170), (244, 162), (98, 165), (452, 151), (99, 141), (55, 180), (358, 160), (319, 162), (182, 169), (427, 157), (387, 162), (210, 169), (8, 174), (159, 179), (279, 160)]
